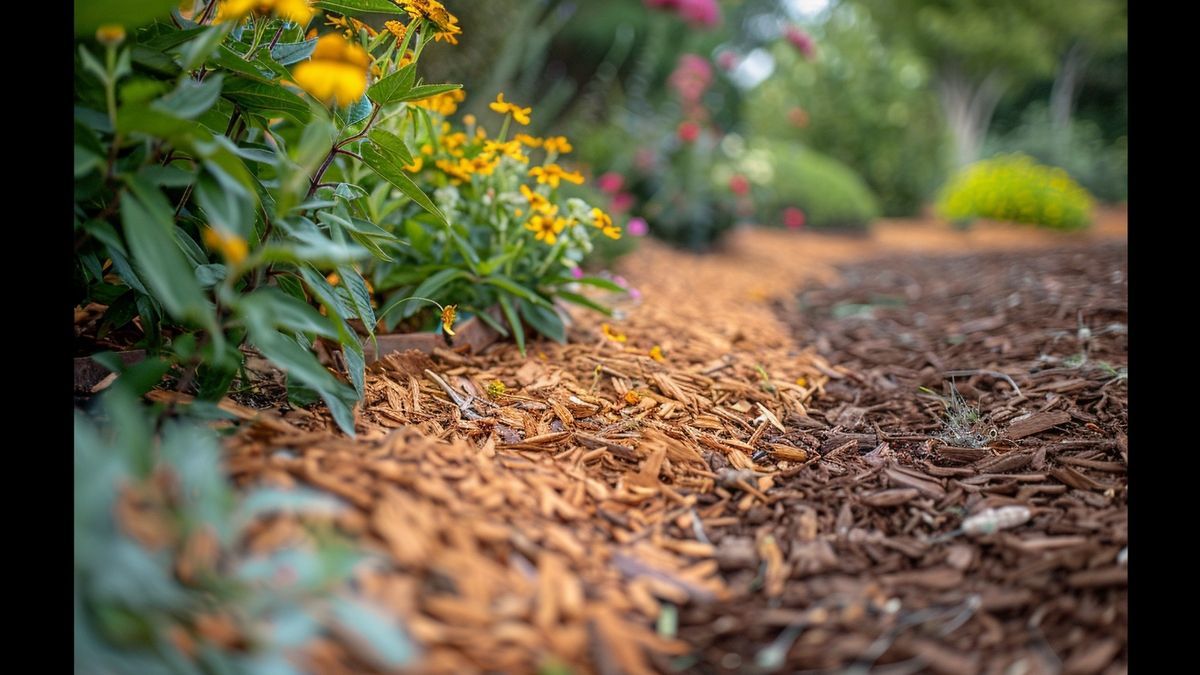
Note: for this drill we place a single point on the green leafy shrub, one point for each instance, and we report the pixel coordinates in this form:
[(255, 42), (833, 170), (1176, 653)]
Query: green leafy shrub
[(229, 162), (161, 584), (829, 193), (1016, 188)]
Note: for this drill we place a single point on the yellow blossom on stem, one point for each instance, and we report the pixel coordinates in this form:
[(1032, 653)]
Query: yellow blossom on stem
[(521, 115), (448, 313), (537, 201), (296, 11), (526, 139), (511, 148), (232, 247), (418, 163), (444, 104), (553, 173), (445, 24), (604, 221), (110, 34), (558, 144), (337, 71), (657, 354), (496, 389), (609, 333), (351, 24), (547, 228), (397, 29)]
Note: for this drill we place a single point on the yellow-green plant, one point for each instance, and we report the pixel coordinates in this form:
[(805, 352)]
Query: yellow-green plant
[(1016, 188)]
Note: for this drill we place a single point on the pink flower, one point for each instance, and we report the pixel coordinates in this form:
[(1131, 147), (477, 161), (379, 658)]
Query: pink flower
[(793, 218), (739, 185), (635, 294), (727, 60), (637, 227), (610, 182), (577, 272), (688, 132), (691, 77), (702, 13), (801, 41), (621, 202), (620, 281)]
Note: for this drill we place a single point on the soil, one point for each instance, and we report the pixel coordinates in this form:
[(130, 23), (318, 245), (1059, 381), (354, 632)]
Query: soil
[(775, 488)]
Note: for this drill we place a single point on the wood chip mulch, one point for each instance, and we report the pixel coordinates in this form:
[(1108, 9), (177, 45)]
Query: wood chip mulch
[(765, 497)]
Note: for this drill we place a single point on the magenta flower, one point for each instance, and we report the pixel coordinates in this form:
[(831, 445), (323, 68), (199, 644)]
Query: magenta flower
[(622, 202), (727, 60), (637, 227), (610, 182), (801, 40), (689, 132), (691, 77), (739, 185), (700, 13), (577, 272), (793, 218)]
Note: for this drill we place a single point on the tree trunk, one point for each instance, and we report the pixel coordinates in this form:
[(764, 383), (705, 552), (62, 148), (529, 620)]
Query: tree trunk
[(968, 106), (1066, 86)]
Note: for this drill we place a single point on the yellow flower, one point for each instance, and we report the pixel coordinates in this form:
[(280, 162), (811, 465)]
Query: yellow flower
[(110, 34), (351, 25), (418, 162), (537, 201), (444, 104), (802, 381), (603, 221), (397, 29), (656, 354), (453, 170), (296, 11), (448, 319), (553, 173), (496, 389), (546, 227), (558, 144), (611, 334), (445, 23), (469, 120), (232, 247), (521, 115), (531, 141), (632, 397), (511, 148), (337, 71), (333, 279)]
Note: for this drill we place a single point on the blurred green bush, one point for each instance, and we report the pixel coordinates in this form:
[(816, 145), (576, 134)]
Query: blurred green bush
[(1016, 188), (1100, 166), (830, 194)]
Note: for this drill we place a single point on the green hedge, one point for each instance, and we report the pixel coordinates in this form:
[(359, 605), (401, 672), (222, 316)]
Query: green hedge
[(831, 194), (1016, 188)]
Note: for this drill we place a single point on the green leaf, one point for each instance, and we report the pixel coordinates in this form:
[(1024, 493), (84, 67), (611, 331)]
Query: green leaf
[(287, 53), (358, 111), (91, 14), (514, 322), (388, 168), (335, 309), (210, 275), (598, 282), (395, 86), (229, 209), (191, 98), (358, 7), (349, 191), (268, 99), (490, 320), (427, 90), (276, 309), (379, 631), (430, 287), (506, 284), (546, 321), (356, 366), (583, 302), (359, 295), (391, 143), (226, 58), (199, 49), (300, 364), (149, 233)]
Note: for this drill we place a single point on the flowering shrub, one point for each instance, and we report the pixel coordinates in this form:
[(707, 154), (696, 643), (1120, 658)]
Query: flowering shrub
[(511, 233), (1016, 188), (234, 156)]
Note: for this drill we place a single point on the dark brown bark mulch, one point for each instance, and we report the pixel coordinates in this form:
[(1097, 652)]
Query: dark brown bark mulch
[(843, 569)]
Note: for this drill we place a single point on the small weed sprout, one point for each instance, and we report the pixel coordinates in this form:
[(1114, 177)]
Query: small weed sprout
[(963, 425)]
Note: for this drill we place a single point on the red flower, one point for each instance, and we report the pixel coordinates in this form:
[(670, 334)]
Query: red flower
[(801, 41), (793, 218), (689, 132), (739, 185), (610, 182)]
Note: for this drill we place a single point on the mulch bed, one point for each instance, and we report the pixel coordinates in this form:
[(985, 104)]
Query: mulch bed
[(866, 586), (761, 498)]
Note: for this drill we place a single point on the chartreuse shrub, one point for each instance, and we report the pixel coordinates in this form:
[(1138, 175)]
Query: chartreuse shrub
[(829, 193), (234, 156), (1016, 188), (161, 583)]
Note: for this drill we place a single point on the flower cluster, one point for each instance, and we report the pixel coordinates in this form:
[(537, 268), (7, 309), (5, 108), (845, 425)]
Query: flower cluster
[(699, 13)]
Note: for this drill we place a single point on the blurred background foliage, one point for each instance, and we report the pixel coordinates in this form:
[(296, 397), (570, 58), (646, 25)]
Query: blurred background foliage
[(868, 107)]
